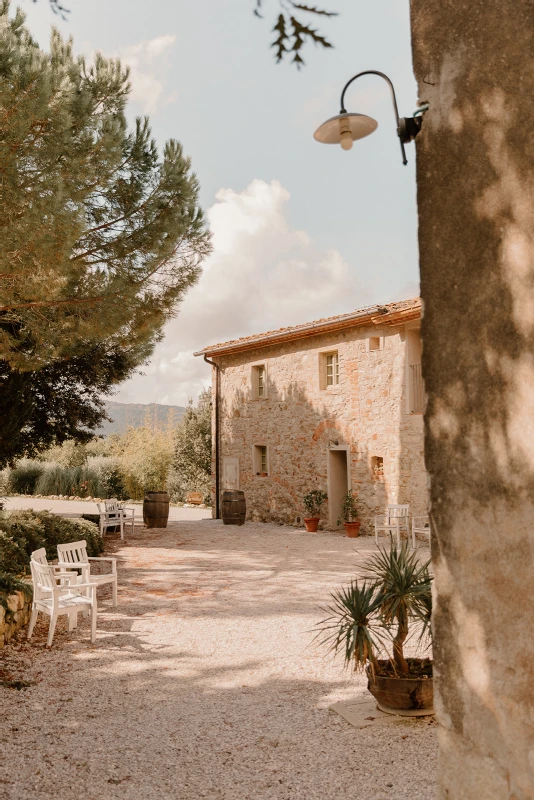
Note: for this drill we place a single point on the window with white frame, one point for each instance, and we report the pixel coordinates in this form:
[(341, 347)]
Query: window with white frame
[(259, 382), (261, 459), (329, 370)]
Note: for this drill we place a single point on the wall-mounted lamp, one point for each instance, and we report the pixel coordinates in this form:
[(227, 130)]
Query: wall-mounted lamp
[(346, 128), (333, 442)]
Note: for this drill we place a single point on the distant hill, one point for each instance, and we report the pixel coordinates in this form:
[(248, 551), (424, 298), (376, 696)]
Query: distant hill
[(134, 414)]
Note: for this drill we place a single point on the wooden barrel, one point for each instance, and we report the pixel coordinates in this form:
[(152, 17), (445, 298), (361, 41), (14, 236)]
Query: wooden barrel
[(234, 509), (156, 509)]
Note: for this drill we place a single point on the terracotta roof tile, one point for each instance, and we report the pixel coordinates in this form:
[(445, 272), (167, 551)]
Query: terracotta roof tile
[(389, 313)]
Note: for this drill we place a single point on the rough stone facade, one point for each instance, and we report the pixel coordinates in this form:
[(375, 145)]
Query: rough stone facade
[(301, 422)]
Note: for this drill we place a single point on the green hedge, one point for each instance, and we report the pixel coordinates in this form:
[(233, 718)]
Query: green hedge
[(21, 532)]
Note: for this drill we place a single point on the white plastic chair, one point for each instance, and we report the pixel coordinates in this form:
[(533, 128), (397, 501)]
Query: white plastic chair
[(66, 578), (420, 525), (74, 554), (111, 516), (53, 598), (128, 515), (395, 518)]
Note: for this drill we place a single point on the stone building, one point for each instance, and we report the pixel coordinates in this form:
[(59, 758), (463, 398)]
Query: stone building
[(334, 404)]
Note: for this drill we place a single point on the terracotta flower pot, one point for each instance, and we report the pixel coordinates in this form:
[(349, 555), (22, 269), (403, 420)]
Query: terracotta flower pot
[(312, 524), (352, 528), (408, 697)]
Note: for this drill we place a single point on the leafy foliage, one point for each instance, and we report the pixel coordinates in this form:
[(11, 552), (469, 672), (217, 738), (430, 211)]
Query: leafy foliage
[(63, 400), (22, 532), (292, 32), (10, 584), (101, 237), (191, 468), (395, 595), (313, 502), (145, 456), (349, 511)]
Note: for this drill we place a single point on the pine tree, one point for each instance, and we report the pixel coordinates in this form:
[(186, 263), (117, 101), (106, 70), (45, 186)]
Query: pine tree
[(100, 236), (61, 401)]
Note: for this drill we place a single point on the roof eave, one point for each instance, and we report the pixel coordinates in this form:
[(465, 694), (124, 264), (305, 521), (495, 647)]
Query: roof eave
[(376, 315)]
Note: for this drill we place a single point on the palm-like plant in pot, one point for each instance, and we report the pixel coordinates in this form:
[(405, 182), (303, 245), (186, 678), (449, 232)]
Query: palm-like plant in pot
[(348, 515), (313, 502), (376, 617)]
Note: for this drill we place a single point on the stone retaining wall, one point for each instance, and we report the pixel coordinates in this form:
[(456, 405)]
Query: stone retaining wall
[(17, 615)]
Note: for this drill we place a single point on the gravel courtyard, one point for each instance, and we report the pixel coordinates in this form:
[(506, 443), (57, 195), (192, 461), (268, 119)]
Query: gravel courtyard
[(203, 683)]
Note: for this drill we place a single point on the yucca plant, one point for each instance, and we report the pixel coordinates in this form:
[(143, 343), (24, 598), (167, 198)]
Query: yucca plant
[(353, 625), (394, 596)]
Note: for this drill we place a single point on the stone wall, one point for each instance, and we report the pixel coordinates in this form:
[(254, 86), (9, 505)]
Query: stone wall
[(475, 183), (16, 616), (299, 422)]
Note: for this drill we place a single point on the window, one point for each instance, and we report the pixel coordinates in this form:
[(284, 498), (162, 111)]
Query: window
[(328, 370), (375, 343), (259, 382), (377, 467), (332, 369), (261, 459)]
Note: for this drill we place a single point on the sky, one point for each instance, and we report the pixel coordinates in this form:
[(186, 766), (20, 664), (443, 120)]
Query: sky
[(300, 230)]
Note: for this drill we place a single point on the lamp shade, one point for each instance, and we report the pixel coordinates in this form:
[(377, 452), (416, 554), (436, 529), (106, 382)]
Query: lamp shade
[(345, 126)]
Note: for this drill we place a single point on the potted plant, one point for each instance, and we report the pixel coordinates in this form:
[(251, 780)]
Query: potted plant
[(348, 515), (312, 503), (374, 617)]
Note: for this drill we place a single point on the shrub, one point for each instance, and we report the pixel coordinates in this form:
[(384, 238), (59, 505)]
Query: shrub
[(9, 584), (23, 478), (13, 555), (67, 454), (22, 532), (59, 530), (313, 501), (110, 478), (56, 479), (192, 456), (145, 458)]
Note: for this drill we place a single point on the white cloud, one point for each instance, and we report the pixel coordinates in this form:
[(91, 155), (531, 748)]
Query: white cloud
[(149, 68), (263, 274)]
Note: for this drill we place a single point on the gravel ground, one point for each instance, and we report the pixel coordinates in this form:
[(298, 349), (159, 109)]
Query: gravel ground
[(203, 682)]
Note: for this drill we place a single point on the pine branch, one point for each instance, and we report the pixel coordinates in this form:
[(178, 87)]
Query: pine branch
[(315, 10), (279, 42), (292, 32), (58, 9), (41, 303)]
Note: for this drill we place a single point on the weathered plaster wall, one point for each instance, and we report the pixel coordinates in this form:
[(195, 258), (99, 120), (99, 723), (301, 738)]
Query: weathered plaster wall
[(298, 421), (475, 167)]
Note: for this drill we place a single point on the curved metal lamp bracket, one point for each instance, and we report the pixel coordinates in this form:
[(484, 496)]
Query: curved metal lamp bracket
[(407, 127)]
